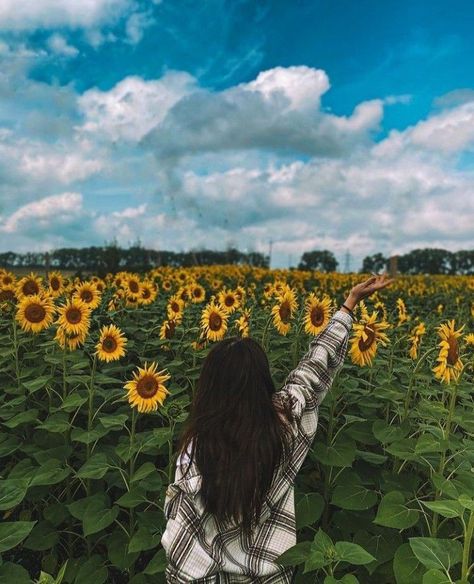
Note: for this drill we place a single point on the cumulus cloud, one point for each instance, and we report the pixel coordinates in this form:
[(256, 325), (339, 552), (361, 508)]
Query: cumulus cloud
[(59, 45), (134, 106), (257, 161), (24, 15)]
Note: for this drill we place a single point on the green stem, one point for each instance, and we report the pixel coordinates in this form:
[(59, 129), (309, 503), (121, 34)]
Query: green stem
[(89, 417), (446, 431), (467, 548), (131, 472), (15, 345), (328, 473)]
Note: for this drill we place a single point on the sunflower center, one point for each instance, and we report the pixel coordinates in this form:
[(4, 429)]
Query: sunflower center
[(54, 283), (285, 312), (7, 280), (133, 286), (146, 293), (364, 345), (175, 307), (30, 288), (74, 315), (169, 329), (86, 296), (197, 292), (317, 316), (35, 313), (109, 344), (229, 300), (215, 322), (7, 295), (147, 387), (453, 351)]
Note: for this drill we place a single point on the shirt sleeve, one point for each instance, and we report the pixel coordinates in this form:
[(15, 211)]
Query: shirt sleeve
[(307, 385)]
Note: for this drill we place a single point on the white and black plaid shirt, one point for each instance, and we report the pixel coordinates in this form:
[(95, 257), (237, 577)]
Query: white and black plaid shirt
[(197, 548)]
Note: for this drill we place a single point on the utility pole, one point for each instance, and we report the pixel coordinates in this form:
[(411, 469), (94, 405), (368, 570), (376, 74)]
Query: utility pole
[(270, 253), (347, 262), (393, 266)]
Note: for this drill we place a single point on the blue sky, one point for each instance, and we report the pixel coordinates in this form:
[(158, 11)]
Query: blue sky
[(344, 125)]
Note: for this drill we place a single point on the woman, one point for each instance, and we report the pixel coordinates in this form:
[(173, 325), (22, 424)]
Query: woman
[(229, 520)]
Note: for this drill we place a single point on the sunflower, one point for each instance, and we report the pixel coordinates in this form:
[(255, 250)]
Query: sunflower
[(88, 293), (7, 295), (168, 328), (29, 285), (439, 308), (111, 345), (228, 300), (402, 311), (449, 364), (198, 293), (132, 285), (242, 323), (7, 278), (56, 283), (74, 316), (381, 306), (415, 339), (317, 314), (361, 308), (283, 311), (70, 340), (214, 321), (469, 339), (36, 312), (175, 308), (146, 389), (166, 285), (149, 293), (364, 342)]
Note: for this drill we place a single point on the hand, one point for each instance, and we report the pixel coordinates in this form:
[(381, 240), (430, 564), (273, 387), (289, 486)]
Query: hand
[(367, 288)]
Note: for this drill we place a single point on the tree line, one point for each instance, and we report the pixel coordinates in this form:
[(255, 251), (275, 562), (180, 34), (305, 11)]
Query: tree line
[(112, 258)]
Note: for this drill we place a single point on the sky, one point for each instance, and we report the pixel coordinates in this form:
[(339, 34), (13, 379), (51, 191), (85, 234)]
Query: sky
[(290, 124)]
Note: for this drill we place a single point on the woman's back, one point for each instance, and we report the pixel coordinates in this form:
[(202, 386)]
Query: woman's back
[(201, 548)]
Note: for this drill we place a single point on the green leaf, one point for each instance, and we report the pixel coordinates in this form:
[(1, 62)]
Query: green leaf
[(295, 555), (58, 422), (146, 469), (37, 383), (78, 508), (406, 567), (387, 433), (88, 436), (12, 492), (340, 454), (466, 502), (93, 570), (117, 550), (115, 422), (403, 449), (49, 473), (8, 444), (315, 561), (392, 512), (143, 540), (42, 537), (96, 518), (73, 401), (14, 532), (436, 577), (158, 563), (22, 418), (445, 508), (14, 574), (346, 579), (354, 497), (132, 498), (435, 552), (309, 509), (95, 468), (353, 553)]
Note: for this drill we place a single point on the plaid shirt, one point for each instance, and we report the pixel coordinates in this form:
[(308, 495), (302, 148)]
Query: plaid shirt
[(200, 550)]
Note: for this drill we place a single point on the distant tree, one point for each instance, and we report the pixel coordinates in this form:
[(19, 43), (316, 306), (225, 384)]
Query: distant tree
[(319, 260), (374, 263), (427, 261)]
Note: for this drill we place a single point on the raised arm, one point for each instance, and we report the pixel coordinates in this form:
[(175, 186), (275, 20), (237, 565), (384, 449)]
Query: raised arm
[(307, 385)]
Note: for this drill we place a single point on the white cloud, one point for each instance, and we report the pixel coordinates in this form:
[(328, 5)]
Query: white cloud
[(58, 45), (134, 106), (136, 25), (22, 15)]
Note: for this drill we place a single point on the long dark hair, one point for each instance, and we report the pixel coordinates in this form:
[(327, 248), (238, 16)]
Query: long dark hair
[(237, 435)]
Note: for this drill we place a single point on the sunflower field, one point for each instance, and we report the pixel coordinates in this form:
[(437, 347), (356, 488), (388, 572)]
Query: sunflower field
[(97, 377)]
